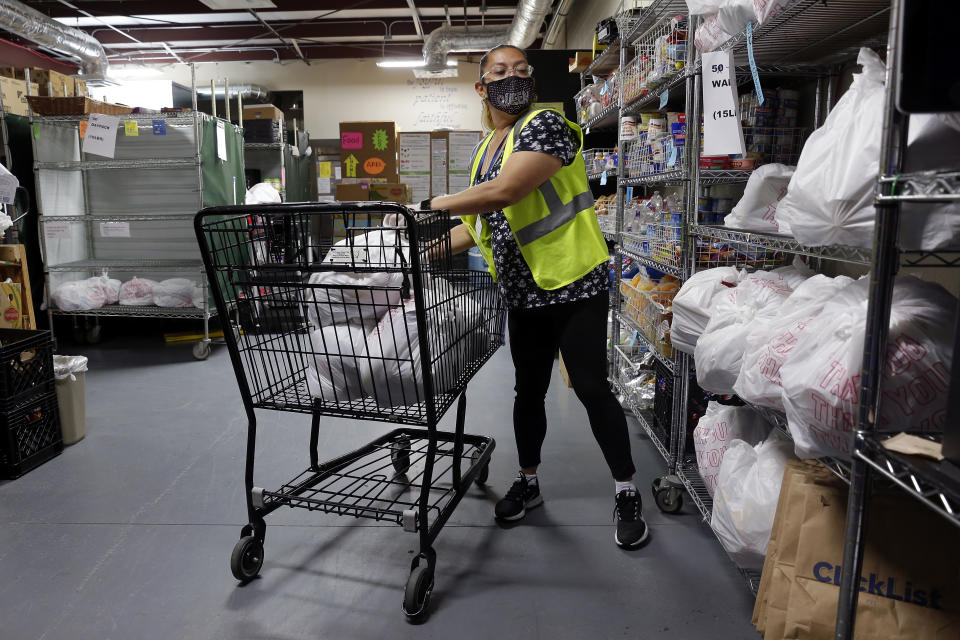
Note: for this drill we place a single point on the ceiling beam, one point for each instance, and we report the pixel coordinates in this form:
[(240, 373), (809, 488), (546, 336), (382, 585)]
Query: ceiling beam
[(290, 44)]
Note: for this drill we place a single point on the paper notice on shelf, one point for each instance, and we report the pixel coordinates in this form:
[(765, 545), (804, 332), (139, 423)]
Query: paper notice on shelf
[(324, 169), (722, 134), (221, 140), (56, 230), (461, 157), (114, 229), (101, 138), (438, 167), (131, 128), (336, 172), (324, 186), (414, 155)]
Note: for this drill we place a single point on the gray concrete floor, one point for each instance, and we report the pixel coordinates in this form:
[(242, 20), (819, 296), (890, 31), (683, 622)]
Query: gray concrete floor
[(128, 533)]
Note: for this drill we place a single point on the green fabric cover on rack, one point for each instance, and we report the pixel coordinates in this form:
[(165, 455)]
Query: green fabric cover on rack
[(223, 182)]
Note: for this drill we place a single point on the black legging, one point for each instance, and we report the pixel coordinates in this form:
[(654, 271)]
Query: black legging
[(579, 330)]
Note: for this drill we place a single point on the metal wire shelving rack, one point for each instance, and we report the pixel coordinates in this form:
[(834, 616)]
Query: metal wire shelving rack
[(808, 38), (77, 196)]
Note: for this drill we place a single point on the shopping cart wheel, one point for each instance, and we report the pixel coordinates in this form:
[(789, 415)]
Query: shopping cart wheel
[(400, 454), (416, 595), (669, 499), (484, 473), (247, 558), (201, 350)]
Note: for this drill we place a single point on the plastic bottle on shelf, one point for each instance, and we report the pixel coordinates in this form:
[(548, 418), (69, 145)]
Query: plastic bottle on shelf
[(597, 162)]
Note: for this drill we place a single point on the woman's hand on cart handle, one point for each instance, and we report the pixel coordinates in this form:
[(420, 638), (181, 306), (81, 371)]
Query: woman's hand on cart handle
[(523, 172)]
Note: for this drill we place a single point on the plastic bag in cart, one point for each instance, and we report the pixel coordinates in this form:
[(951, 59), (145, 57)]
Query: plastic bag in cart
[(337, 360), (821, 379), (770, 342), (337, 297), (79, 295), (137, 292), (717, 428), (393, 373), (745, 502)]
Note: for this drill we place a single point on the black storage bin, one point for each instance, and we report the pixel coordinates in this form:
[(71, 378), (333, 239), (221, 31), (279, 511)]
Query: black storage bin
[(266, 131), (26, 365), (29, 435)]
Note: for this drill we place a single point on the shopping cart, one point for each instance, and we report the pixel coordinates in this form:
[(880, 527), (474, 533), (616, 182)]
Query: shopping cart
[(376, 326)]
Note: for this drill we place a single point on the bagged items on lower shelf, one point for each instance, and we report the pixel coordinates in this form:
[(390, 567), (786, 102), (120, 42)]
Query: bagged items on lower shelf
[(693, 303), (177, 292), (86, 295), (719, 350), (756, 210), (362, 297), (718, 427), (821, 379), (137, 292), (745, 501), (769, 342), (910, 588), (337, 354)]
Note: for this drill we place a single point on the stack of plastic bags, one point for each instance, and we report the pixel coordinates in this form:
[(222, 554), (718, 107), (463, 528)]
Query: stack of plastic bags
[(84, 295), (719, 426), (99, 291)]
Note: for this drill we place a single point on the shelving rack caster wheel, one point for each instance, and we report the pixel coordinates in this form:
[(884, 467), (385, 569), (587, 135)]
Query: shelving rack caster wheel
[(669, 498), (201, 350), (247, 558), (484, 473), (416, 595), (400, 455), (93, 334)]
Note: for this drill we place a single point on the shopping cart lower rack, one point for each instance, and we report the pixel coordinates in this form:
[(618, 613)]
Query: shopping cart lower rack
[(377, 326)]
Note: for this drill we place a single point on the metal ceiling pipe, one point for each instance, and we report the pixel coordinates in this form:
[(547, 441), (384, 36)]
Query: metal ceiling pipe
[(28, 23), (247, 91), (522, 32)]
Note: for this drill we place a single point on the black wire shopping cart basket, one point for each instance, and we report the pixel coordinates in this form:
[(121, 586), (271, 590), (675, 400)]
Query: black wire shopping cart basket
[(355, 310)]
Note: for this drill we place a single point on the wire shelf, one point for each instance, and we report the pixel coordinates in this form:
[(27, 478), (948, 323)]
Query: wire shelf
[(668, 178), (710, 177), (118, 218), (607, 61), (129, 265), (657, 10), (118, 311), (936, 484), (647, 261), (654, 159), (930, 258), (652, 312), (645, 420), (597, 165), (609, 234), (143, 119), (642, 100), (927, 186), (100, 165), (266, 146), (766, 248), (605, 119), (660, 57), (630, 323), (662, 245)]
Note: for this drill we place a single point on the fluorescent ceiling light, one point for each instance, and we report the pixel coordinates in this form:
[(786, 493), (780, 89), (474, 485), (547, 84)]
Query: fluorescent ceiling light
[(223, 5), (133, 72), (407, 63)]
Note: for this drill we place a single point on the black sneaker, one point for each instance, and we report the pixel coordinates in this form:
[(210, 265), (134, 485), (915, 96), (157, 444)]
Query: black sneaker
[(631, 529), (522, 495)]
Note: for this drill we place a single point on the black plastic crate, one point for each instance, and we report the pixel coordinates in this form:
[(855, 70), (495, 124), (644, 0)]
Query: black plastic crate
[(26, 365), (29, 435)]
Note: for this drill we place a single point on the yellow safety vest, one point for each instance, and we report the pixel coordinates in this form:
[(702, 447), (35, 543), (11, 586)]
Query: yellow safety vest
[(555, 225)]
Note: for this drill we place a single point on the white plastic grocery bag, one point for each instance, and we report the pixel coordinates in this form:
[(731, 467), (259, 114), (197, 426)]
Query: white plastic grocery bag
[(769, 342), (830, 197), (717, 428), (821, 379), (80, 295), (176, 292), (766, 9), (719, 351), (745, 501), (693, 303), (337, 362), (756, 210), (137, 292)]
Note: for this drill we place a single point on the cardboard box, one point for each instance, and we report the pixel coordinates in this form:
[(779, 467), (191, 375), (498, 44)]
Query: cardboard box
[(11, 306), (457, 156), (414, 163), (262, 112), (385, 192), (369, 150), (580, 61), (80, 87), (52, 83), (14, 95)]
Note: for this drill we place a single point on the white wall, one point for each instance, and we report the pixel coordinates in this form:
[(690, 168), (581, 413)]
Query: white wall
[(344, 90)]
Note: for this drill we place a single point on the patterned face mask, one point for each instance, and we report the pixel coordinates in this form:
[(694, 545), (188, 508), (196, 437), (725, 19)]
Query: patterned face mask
[(513, 94)]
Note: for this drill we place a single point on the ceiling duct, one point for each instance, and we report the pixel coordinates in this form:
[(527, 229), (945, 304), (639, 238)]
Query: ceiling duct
[(245, 91), (449, 39), (28, 23)]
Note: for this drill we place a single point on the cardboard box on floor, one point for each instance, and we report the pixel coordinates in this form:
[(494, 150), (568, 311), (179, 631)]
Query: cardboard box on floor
[(13, 92), (451, 156), (368, 151)]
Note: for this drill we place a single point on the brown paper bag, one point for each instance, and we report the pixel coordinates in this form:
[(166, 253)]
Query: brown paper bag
[(910, 584), (806, 475)]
